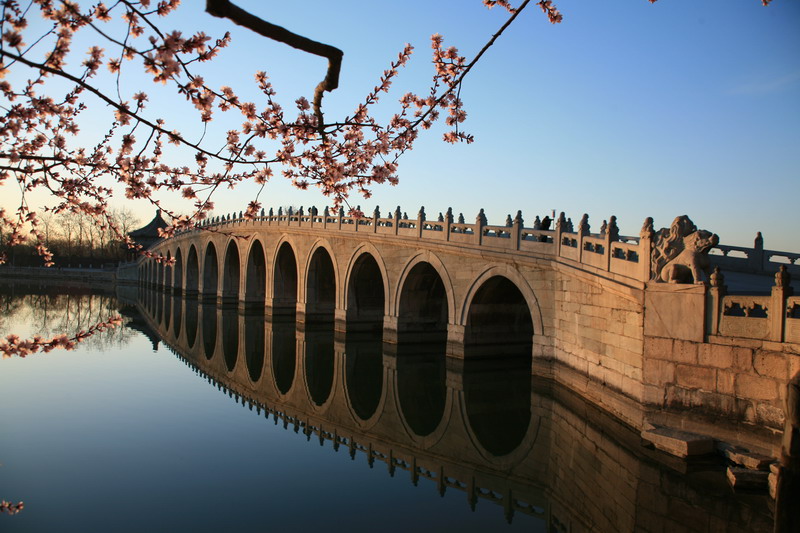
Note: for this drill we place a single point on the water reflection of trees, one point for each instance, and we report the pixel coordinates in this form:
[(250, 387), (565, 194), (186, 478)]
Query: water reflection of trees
[(48, 313)]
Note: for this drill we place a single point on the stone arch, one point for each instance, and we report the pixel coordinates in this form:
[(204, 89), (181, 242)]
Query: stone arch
[(159, 274), (285, 277), (168, 272), (320, 282), (514, 276), (177, 284), (210, 272), (417, 281), (362, 303), (192, 272), (256, 274), (231, 272)]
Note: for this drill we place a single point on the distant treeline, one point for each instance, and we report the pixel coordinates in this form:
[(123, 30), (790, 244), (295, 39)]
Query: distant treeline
[(75, 240)]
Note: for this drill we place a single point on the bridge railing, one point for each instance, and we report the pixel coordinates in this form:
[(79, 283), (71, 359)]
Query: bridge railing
[(773, 317), (755, 260), (607, 251)]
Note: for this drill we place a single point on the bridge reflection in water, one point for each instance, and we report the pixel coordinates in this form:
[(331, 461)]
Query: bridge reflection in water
[(481, 425)]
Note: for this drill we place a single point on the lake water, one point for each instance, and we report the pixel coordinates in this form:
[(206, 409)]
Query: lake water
[(195, 418)]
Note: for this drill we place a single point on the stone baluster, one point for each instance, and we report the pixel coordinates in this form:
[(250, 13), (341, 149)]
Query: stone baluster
[(777, 309), (341, 216), (376, 214), (397, 215), (561, 227), (480, 223), (420, 221), (516, 233), (646, 236), (610, 232), (325, 214), (716, 293), (613, 229)]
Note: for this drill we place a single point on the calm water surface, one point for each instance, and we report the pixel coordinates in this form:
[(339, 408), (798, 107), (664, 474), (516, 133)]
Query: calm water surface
[(204, 419)]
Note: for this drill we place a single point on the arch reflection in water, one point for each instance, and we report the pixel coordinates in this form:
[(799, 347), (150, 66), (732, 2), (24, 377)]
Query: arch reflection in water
[(167, 309), (319, 361), (254, 344), (283, 351), (209, 314), (177, 316), (364, 372), (159, 302), (532, 450), (230, 337), (421, 384), (497, 398), (192, 308)]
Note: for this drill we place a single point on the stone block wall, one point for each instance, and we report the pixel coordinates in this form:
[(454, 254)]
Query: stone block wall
[(742, 380), (597, 332)]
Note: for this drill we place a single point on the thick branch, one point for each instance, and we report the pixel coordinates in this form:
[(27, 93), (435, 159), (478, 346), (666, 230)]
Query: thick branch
[(225, 9)]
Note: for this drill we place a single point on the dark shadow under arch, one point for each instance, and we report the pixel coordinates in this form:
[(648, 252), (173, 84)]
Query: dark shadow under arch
[(256, 276), (231, 274), (177, 284), (423, 311), (320, 287), (499, 322), (210, 274), (365, 295), (192, 272), (284, 290)]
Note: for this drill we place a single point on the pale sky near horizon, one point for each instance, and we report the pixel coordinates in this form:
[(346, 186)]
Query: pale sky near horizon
[(626, 108)]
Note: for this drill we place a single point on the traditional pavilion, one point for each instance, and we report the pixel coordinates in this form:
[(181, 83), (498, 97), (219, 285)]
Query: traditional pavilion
[(148, 235)]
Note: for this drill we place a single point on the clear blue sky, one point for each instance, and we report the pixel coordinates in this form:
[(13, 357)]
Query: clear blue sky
[(626, 108)]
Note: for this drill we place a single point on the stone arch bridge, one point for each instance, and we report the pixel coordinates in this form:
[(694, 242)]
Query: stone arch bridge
[(584, 305)]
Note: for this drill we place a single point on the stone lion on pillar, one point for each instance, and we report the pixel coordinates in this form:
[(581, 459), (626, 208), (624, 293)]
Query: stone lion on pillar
[(680, 253)]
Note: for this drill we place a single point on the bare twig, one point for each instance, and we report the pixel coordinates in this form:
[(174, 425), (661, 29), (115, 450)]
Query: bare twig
[(226, 9)]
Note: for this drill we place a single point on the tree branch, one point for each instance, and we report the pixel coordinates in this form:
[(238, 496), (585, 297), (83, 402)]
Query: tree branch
[(226, 9)]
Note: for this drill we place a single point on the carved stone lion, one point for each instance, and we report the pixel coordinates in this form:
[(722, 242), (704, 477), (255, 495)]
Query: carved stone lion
[(680, 253)]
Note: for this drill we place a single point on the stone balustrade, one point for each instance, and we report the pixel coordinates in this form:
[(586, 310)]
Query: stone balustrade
[(755, 260), (607, 251)]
